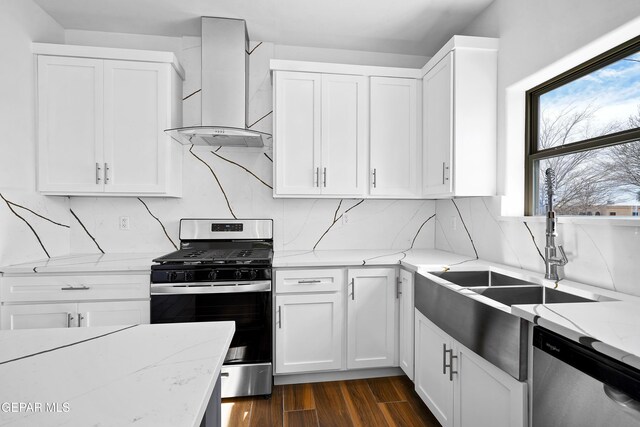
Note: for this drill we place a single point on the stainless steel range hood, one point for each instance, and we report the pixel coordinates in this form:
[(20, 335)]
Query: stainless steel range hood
[(225, 83)]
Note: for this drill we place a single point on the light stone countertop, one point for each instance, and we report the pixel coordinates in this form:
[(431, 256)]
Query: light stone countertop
[(147, 375), (86, 263)]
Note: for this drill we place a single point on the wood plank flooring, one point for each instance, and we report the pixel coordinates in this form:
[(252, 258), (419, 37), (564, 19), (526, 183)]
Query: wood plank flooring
[(384, 402)]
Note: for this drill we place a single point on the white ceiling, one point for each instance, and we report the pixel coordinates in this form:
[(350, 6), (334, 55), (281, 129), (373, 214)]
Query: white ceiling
[(416, 27)]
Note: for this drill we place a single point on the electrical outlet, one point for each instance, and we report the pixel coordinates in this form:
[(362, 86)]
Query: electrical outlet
[(124, 223), (454, 223), (345, 218)]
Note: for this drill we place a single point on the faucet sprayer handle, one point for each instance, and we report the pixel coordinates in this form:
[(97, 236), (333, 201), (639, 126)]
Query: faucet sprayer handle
[(563, 257)]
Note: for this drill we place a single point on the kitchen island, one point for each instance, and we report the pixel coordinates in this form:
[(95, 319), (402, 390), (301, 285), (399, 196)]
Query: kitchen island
[(147, 375)]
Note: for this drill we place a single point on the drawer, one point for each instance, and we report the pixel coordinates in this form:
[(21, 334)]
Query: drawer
[(73, 288), (320, 280)]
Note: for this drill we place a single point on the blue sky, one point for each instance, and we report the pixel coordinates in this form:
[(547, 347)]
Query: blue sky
[(613, 92)]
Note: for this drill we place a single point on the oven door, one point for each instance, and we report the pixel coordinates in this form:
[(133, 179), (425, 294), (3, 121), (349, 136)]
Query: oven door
[(248, 304)]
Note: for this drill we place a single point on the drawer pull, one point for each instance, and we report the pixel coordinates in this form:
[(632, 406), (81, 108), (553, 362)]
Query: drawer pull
[(73, 288), (306, 282)]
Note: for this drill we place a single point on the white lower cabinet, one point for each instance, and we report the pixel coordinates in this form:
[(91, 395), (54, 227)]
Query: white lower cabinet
[(371, 318), (31, 316), (315, 308), (309, 332), (113, 313), (405, 322), (71, 315), (460, 387)]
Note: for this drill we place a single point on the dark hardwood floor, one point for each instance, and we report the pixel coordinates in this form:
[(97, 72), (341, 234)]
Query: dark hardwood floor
[(389, 401)]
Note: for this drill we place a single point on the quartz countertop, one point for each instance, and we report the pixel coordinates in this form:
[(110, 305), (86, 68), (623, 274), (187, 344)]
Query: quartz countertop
[(147, 375), (612, 328), (86, 263), (359, 257)]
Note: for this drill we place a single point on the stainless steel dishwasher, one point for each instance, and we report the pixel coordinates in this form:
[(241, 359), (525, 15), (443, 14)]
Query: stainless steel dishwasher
[(574, 385)]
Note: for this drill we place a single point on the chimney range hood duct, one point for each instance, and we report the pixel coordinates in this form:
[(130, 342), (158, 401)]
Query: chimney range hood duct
[(225, 83)]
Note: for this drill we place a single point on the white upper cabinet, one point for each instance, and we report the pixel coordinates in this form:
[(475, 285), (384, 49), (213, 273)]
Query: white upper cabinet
[(344, 128), (320, 130), (394, 149), (297, 133), (345, 131), (101, 121), (459, 119)]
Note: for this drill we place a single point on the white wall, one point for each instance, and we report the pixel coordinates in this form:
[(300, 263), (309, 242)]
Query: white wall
[(538, 40), (21, 22)]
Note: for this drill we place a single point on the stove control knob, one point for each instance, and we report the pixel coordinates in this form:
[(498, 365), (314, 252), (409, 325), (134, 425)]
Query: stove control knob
[(238, 274), (213, 275), (188, 276), (172, 276), (253, 274)]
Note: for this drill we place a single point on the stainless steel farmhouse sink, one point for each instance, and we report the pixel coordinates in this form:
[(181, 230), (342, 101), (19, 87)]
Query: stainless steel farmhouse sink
[(529, 295), (494, 333), (480, 278)]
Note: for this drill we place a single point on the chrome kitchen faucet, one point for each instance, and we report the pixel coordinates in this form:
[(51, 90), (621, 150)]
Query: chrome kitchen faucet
[(551, 259)]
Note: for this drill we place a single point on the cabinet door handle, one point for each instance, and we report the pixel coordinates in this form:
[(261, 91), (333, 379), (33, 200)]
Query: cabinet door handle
[(375, 177), (98, 169), (443, 172), (445, 169), (69, 319), (279, 317), (451, 371), (72, 288), (106, 173), (398, 288), (316, 182), (324, 177), (80, 318), (353, 289), (449, 365), (303, 282)]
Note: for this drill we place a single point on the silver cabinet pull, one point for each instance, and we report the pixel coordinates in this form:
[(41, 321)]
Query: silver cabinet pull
[(303, 282), (279, 317), (353, 289), (375, 177), (443, 172), (106, 173), (224, 374), (445, 168), (317, 178), (398, 285), (72, 288), (80, 318), (69, 319), (449, 365), (98, 169), (324, 177)]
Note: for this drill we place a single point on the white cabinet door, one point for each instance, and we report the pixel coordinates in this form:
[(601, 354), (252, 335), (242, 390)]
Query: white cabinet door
[(113, 313), (30, 316), (432, 384), (485, 395), (308, 332), (297, 133), (344, 134), (136, 112), (394, 150), (438, 128), (406, 319), (70, 124), (371, 318)]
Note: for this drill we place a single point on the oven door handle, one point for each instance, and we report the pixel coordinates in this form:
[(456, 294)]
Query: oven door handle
[(211, 288)]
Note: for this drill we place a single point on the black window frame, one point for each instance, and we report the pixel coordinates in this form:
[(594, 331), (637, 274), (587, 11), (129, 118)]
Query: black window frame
[(532, 97)]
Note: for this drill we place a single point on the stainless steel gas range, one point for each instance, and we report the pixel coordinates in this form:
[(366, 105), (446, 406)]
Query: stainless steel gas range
[(223, 272)]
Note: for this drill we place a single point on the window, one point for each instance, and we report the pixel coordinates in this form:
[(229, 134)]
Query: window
[(585, 125)]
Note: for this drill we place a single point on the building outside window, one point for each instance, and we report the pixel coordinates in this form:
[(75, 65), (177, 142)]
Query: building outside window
[(585, 125)]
